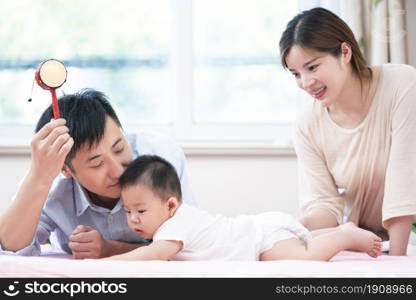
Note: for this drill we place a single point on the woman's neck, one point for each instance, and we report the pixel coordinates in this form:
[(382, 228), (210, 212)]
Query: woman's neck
[(354, 103), (353, 100)]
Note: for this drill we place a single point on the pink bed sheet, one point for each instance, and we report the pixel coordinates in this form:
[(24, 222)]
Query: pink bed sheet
[(345, 264)]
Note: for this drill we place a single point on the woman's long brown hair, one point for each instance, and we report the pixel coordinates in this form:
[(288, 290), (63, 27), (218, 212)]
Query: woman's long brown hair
[(321, 30)]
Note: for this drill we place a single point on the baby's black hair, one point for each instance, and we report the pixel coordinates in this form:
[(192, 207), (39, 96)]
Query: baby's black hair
[(154, 172)]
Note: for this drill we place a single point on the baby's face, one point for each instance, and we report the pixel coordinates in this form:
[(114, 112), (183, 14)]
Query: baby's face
[(145, 211)]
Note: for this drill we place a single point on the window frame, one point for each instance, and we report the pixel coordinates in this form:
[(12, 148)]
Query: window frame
[(183, 128)]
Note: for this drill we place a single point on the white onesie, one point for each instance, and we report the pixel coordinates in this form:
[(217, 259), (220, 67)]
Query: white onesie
[(245, 237)]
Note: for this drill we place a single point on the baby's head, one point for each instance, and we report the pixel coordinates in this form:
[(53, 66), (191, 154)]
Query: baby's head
[(151, 193)]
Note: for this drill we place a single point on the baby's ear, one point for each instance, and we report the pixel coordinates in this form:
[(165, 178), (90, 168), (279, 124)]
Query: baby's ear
[(66, 171), (173, 205)]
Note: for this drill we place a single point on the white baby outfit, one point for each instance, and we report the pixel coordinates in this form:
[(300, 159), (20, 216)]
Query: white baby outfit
[(217, 237)]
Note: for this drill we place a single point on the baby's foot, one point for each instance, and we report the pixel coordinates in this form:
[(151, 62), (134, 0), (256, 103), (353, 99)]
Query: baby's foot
[(363, 240)]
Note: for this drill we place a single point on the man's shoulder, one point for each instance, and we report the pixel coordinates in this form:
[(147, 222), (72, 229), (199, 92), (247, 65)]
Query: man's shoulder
[(61, 188), (151, 137), (150, 142)]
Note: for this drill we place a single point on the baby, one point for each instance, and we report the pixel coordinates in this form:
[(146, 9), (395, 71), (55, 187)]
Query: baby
[(151, 194)]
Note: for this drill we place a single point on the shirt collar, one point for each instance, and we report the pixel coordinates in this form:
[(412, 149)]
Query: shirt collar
[(81, 198), (82, 202)]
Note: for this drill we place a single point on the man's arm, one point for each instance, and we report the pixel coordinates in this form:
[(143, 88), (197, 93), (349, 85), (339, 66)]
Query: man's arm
[(49, 148), (105, 249), (159, 250), (86, 242)]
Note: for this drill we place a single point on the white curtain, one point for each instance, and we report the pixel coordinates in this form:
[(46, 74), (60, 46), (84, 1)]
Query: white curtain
[(378, 25)]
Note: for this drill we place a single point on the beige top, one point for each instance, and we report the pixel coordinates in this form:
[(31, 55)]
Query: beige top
[(367, 173)]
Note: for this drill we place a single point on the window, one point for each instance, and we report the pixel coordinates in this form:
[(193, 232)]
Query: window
[(237, 75), (203, 71)]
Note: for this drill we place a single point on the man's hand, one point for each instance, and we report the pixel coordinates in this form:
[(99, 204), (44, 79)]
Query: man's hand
[(86, 242), (50, 147)]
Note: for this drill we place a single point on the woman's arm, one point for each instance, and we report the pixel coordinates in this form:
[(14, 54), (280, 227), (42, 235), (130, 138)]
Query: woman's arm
[(321, 203), (399, 203), (399, 232), (159, 250), (319, 218)]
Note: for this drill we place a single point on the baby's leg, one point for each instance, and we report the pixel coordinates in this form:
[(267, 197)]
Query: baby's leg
[(317, 232), (287, 249), (361, 239), (326, 245)]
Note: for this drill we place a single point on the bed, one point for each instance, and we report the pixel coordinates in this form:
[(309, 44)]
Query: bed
[(345, 264)]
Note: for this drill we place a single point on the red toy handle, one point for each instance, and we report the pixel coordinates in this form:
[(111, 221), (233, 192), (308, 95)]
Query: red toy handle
[(55, 106)]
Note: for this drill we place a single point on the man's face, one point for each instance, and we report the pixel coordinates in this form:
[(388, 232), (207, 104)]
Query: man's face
[(98, 168)]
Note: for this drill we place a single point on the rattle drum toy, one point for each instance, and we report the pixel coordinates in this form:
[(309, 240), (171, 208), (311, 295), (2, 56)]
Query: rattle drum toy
[(51, 75)]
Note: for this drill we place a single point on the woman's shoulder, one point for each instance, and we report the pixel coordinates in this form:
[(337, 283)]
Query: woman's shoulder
[(397, 86), (309, 116), (400, 73), (397, 79)]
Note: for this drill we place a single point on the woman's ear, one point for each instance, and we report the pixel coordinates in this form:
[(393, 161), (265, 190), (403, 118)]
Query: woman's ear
[(67, 171), (173, 205), (346, 52)]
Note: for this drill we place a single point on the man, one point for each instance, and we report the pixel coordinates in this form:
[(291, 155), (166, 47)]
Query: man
[(81, 206)]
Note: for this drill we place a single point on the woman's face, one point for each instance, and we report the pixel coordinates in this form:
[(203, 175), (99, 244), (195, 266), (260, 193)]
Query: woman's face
[(320, 74)]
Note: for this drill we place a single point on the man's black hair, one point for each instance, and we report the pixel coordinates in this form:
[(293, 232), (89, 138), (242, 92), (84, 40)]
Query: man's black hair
[(153, 172), (85, 113)]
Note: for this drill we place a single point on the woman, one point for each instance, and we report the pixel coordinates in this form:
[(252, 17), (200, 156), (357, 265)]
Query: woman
[(356, 143)]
